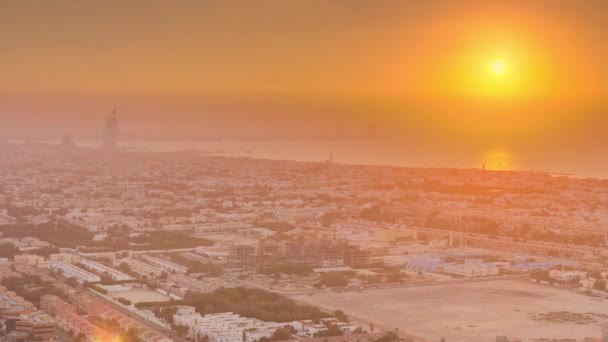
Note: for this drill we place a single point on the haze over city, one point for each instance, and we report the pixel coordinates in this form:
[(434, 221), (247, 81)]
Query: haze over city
[(419, 73), (303, 171)]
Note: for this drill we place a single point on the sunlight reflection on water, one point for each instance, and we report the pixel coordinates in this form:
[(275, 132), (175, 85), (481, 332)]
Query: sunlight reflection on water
[(498, 160)]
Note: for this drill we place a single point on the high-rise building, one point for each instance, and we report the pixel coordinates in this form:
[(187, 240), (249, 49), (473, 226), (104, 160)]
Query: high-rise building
[(110, 130), (67, 143)]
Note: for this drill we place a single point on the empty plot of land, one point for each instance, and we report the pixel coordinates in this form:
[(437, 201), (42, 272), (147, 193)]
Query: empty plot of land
[(136, 295), (477, 311)]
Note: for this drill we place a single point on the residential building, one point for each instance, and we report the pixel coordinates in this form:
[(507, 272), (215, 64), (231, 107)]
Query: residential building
[(72, 271)]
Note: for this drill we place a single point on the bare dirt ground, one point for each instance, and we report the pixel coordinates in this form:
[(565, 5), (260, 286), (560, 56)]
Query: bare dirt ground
[(477, 311), (140, 295)]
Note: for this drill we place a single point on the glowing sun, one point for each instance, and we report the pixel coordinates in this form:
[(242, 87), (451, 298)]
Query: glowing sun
[(498, 67)]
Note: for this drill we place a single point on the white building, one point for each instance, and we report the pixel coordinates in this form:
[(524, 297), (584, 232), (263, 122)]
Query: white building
[(165, 265), (101, 269), (472, 270), (71, 271), (223, 327), (142, 268)]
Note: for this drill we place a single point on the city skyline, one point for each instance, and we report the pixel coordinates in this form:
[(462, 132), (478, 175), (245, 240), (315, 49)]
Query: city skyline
[(303, 171), (422, 74)]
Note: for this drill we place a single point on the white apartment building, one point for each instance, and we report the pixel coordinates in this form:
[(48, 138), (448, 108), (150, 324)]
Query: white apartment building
[(71, 271), (472, 270), (100, 268), (165, 265), (223, 327), (142, 268)]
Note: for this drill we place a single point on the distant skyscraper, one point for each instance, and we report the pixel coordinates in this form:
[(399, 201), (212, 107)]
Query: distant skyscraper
[(67, 143), (110, 130)]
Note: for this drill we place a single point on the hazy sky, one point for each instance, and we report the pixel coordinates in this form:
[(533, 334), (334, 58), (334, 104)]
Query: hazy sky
[(418, 70)]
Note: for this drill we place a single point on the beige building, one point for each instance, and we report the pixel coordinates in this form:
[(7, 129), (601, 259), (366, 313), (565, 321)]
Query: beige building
[(394, 235), (65, 257), (31, 260)]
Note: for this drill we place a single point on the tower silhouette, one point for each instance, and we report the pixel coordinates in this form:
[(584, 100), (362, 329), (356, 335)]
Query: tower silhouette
[(67, 143), (110, 130)]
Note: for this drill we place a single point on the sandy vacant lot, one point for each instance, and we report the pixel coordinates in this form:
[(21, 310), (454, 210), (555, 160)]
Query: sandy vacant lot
[(477, 311), (140, 295)]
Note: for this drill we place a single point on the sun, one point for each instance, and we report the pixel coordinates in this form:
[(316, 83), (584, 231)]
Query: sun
[(498, 67)]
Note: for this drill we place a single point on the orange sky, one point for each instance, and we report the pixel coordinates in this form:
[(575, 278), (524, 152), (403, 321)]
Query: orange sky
[(415, 69), (401, 48)]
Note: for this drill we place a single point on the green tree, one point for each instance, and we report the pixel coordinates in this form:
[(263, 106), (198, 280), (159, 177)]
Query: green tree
[(389, 337), (281, 334), (8, 250), (341, 316), (332, 330)]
